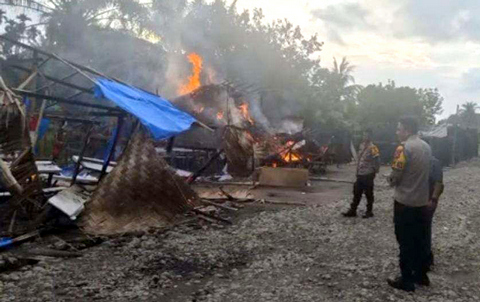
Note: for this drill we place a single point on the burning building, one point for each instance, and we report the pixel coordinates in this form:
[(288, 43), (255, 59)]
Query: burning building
[(247, 143)]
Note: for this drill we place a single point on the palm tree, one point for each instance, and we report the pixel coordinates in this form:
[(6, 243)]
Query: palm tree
[(64, 20), (342, 85), (468, 113)]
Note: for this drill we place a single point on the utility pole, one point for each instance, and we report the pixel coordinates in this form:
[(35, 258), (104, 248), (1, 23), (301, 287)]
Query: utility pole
[(455, 133)]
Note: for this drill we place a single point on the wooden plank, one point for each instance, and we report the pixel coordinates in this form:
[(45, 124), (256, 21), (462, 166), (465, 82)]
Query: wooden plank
[(47, 167)]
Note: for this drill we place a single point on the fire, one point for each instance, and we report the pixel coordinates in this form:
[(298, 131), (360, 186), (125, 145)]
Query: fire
[(289, 155), (244, 109), (220, 115), (194, 79)]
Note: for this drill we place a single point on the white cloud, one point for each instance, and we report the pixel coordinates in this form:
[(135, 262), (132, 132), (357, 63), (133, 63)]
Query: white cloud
[(471, 80)]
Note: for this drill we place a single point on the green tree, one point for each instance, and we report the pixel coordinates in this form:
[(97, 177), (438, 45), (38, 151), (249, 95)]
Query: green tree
[(335, 100), (67, 22), (432, 103), (382, 105), (468, 115)]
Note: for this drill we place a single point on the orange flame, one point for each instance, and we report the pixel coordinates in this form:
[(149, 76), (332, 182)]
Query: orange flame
[(245, 113), (289, 155), (194, 79), (220, 115)]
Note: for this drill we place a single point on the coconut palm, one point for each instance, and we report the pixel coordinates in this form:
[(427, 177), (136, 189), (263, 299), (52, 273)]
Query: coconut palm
[(65, 21), (341, 87)]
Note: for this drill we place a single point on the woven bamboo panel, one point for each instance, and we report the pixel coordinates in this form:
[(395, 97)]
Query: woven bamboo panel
[(238, 150), (15, 147), (140, 193)]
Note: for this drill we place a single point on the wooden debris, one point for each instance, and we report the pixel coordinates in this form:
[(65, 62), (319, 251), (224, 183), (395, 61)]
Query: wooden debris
[(283, 203), (196, 211), (207, 219), (229, 197), (219, 205)]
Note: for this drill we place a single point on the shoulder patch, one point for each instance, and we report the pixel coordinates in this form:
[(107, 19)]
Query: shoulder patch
[(399, 158), (375, 151)]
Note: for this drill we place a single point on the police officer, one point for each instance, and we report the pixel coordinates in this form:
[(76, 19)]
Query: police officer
[(410, 178), (367, 168)]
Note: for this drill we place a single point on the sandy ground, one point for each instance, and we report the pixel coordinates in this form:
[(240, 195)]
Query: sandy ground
[(273, 253)]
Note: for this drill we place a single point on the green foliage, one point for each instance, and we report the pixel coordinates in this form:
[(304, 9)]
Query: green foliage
[(380, 105), (432, 102), (468, 115)]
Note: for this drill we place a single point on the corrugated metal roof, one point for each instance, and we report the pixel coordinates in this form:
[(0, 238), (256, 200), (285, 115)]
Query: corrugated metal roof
[(439, 131)]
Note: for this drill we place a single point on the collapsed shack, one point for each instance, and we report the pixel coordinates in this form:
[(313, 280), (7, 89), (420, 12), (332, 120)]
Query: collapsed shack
[(249, 144), (128, 196), (452, 144), (140, 190), (226, 109)]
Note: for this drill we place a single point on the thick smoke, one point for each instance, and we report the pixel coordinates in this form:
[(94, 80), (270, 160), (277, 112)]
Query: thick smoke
[(257, 70)]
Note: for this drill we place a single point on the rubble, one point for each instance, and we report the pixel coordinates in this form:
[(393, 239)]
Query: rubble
[(287, 254)]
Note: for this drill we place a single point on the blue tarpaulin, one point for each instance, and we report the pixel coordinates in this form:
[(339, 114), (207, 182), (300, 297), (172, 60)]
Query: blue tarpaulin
[(44, 124), (159, 115)]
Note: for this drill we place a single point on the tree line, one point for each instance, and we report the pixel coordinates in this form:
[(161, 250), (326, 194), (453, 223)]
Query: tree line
[(138, 41)]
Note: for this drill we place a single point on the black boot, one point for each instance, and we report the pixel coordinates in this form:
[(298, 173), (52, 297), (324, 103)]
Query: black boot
[(431, 262), (350, 213), (368, 214), (400, 284), (422, 280)]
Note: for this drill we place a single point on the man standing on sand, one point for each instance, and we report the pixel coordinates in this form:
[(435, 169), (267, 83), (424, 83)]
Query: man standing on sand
[(367, 168), (410, 178)]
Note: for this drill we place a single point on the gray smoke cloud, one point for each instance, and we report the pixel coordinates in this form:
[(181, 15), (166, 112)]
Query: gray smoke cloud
[(433, 20)]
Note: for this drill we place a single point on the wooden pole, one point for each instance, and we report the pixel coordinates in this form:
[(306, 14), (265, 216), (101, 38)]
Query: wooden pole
[(112, 151), (80, 156), (455, 133)]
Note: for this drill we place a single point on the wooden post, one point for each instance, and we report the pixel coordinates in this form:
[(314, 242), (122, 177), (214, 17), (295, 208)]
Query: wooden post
[(169, 150), (37, 128), (80, 156), (37, 81), (112, 151), (195, 175)]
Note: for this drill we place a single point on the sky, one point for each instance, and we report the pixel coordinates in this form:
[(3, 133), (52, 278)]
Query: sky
[(417, 43)]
